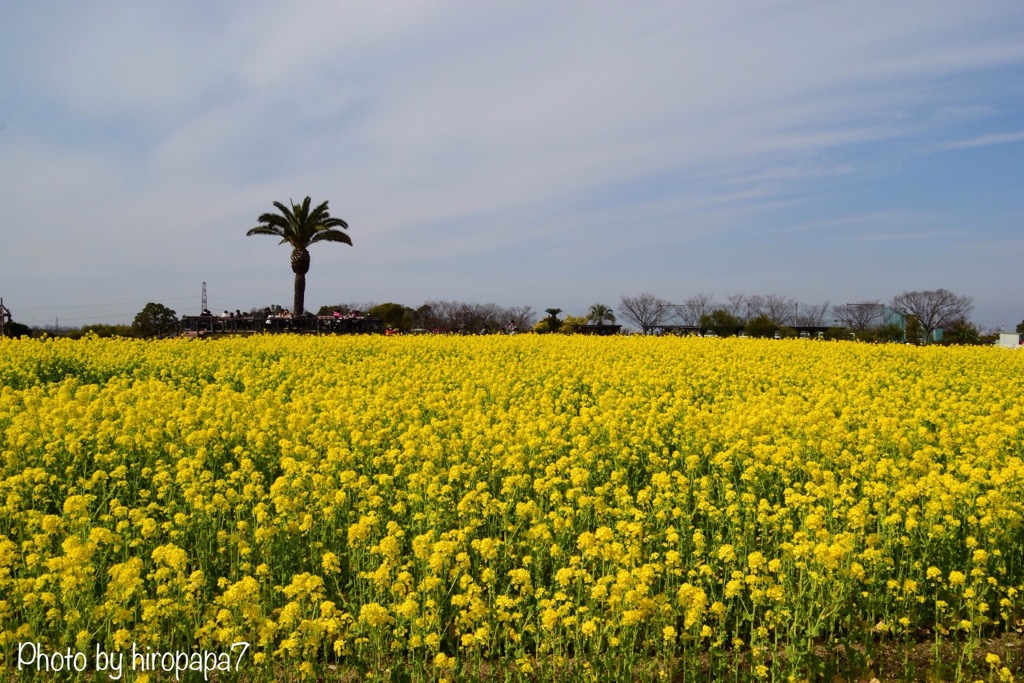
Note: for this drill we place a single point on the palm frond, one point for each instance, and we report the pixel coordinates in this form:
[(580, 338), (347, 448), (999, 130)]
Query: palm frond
[(298, 226), (328, 235), (285, 211), (274, 219), (330, 222), (320, 212), (265, 230)]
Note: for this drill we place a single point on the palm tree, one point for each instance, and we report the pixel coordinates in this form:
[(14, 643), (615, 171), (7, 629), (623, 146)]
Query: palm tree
[(599, 313), (300, 228), (553, 320)]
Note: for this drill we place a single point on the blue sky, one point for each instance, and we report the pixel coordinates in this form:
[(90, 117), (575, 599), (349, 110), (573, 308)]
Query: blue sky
[(522, 153)]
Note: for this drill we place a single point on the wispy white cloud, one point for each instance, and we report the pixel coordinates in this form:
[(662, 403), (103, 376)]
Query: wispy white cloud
[(982, 141)]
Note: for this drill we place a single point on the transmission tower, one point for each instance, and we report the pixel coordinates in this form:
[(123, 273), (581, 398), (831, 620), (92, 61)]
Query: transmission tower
[(201, 310), (5, 315)]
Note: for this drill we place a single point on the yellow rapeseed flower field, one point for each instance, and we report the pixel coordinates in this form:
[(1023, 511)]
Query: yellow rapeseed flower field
[(525, 507)]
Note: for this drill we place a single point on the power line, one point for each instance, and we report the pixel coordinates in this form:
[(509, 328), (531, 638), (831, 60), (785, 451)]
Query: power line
[(247, 290), (88, 317), (234, 301), (121, 303)]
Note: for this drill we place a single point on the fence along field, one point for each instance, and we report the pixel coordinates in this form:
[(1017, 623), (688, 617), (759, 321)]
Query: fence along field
[(527, 507)]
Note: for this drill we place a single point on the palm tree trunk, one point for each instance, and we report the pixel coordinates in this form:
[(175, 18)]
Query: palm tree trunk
[(300, 294), (300, 266)]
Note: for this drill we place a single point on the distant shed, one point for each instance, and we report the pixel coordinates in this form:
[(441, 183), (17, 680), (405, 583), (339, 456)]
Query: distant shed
[(1009, 340)]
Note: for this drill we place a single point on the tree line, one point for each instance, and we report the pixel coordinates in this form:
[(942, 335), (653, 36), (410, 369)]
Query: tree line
[(914, 316)]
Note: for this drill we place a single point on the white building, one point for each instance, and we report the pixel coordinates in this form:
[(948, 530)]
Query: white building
[(1009, 340)]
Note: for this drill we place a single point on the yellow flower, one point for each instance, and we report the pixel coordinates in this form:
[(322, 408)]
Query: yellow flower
[(121, 638), (727, 553), (374, 614), (330, 563), (755, 561)]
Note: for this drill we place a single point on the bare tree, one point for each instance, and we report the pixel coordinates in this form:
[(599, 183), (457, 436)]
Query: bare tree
[(737, 306), (779, 309), (755, 307), (859, 316), (808, 315), (646, 311), (424, 317), (439, 315), (472, 317), (934, 308), (485, 317), (694, 308), (522, 317), (774, 307)]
